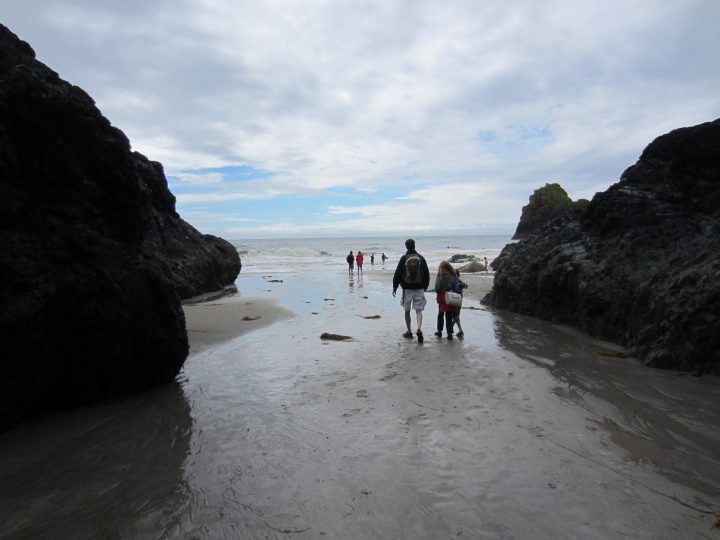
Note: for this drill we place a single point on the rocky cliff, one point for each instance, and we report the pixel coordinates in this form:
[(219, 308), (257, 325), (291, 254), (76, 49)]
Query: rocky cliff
[(545, 203), (640, 265), (93, 255)]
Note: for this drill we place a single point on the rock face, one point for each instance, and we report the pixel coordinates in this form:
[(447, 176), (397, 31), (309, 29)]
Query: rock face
[(545, 203), (640, 265), (93, 255)]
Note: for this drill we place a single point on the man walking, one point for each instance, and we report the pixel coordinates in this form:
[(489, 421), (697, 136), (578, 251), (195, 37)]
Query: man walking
[(413, 275)]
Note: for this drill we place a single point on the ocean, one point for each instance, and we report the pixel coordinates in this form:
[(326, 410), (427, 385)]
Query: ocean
[(302, 254)]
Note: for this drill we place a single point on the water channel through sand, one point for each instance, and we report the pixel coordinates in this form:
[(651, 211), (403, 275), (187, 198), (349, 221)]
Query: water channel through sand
[(521, 430)]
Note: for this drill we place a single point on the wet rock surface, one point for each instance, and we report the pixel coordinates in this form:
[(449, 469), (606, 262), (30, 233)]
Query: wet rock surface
[(638, 266), (94, 256)]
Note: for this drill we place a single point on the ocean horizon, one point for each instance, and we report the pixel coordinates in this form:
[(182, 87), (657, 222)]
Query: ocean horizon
[(299, 254)]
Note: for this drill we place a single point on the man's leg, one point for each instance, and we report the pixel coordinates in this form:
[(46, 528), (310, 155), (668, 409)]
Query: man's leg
[(408, 321), (419, 314)]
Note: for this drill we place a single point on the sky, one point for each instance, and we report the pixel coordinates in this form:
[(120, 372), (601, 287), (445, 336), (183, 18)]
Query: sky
[(382, 117)]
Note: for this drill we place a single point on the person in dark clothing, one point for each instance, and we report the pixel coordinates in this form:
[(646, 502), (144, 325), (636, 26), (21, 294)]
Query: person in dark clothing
[(351, 262), (413, 275)]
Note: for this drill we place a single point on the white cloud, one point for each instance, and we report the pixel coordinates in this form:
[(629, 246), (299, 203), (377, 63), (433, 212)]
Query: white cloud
[(226, 196), (446, 207), (199, 179), (490, 98)]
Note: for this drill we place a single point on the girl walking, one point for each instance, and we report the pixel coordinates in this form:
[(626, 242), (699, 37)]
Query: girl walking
[(447, 280)]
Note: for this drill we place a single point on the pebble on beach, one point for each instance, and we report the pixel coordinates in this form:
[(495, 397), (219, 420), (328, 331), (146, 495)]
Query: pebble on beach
[(334, 337)]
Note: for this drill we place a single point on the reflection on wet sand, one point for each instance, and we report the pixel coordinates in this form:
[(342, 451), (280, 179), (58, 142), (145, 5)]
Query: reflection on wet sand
[(659, 418), (519, 431), (111, 471)]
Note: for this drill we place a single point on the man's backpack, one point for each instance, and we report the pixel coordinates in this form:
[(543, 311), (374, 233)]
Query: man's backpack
[(413, 272)]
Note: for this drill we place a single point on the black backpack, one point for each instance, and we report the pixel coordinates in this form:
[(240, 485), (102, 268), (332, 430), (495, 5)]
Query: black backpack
[(413, 272)]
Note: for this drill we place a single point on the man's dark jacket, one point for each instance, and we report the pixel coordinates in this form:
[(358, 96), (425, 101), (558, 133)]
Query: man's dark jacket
[(400, 272)]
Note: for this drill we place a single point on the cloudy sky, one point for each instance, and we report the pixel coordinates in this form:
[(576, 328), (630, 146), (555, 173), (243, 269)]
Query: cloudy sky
[(341, 117)]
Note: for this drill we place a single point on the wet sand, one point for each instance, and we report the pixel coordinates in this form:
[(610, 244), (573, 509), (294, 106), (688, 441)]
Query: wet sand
[(225, 317), (521, 430)]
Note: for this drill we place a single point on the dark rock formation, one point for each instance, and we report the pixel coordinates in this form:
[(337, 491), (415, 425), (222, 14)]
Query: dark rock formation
[(641, 264), (475, 266), (462, 258), (545, 203), (93, 255)]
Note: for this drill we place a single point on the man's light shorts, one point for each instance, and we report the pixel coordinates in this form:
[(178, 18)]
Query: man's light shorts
[(413, 299)]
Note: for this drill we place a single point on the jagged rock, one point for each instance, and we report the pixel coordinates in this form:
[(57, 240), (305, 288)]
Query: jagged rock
[(545, 203), (461, 258), (640, 265), (93, 255)]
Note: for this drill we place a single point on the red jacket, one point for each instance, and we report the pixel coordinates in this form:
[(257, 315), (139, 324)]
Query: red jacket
[(359, 259)]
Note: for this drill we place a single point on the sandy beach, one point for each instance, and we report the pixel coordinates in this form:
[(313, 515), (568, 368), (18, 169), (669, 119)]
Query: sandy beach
[(521, 430), (215, 318)]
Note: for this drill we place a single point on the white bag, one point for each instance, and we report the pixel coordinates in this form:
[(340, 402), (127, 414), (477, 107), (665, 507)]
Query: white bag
[(453, 299)]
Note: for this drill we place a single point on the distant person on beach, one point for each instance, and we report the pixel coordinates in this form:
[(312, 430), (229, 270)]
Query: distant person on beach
[(351, 263), (372, 260), (487, 268), (359, 259), (447, 280), (413, 276), (383, 258)]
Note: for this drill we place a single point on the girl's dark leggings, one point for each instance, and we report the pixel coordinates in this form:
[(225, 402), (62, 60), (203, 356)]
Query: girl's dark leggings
[(448, 322)]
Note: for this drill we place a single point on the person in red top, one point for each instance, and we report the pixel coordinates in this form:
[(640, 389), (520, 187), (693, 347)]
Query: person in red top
[(359, 260)]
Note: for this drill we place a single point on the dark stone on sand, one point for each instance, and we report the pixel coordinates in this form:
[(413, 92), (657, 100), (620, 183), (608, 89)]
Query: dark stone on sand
[(334, 337), (94, 257), (640, 265)]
